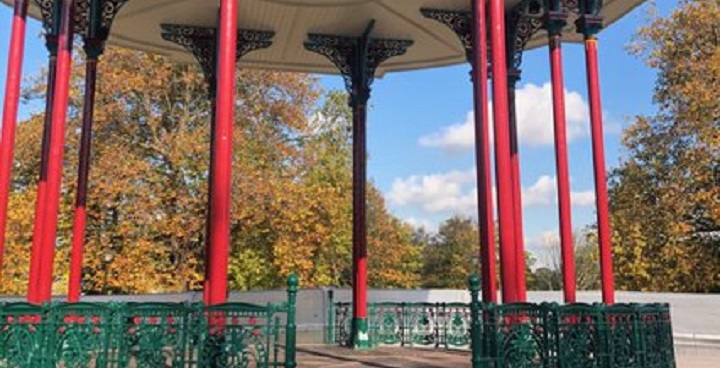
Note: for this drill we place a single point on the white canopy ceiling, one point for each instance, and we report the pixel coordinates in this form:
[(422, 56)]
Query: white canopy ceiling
[(137, 26)]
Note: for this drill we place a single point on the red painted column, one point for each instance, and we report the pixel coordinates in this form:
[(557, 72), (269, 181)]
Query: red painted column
[(520, 263), (56, 150), (359, 216), (225, 114), (503, 163), (80, 215), (482, 152), (601, 190), (561, 156), (211, 181), (10, 112), (36, 252)]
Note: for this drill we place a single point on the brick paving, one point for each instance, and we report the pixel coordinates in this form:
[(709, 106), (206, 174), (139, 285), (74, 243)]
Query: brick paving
[(335, 357)]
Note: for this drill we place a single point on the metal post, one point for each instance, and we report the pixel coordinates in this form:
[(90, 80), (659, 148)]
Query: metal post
[(211, 78), (520, 263), (330, 338), (360, 225), (56, 150), (211, 186), (36, 251), (10, 112), (94, 48), (482, 152), (80, 215), (291, 332), (502, 152), (475, 324), (590, 24), (358, 58), (555, 22), (220, 207)]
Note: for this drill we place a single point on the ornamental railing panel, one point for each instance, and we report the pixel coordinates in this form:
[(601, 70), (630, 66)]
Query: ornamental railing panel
[(623, 336), (420, 325), (148, 335), (80, 335), (241, 335), (579, 336), (387, 324), (157, 335), (342, 332), (22, 339), (523, 335)]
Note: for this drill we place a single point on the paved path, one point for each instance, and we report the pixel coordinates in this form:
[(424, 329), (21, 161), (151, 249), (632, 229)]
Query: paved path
[(322, 356)]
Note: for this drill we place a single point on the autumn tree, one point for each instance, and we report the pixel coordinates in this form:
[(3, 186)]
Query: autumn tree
[(665, 196), (147, 202), (451, 255)]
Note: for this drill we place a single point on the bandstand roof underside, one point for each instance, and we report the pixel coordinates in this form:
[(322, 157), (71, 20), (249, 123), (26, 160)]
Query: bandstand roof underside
[(137, 26)]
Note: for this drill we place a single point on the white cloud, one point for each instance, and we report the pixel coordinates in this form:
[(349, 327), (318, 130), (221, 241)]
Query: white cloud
[(585, 198), (422, 223), (455, 192), (454, 138), (450, 192), (534, 117), (544, 193), (546, 239)]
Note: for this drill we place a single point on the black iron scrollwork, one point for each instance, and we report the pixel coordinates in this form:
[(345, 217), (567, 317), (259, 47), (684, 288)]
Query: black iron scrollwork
[(458, 21), (357, 59), (202, 43)]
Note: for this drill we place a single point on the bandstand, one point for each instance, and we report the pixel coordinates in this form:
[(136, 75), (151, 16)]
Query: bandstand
[(358, 40)]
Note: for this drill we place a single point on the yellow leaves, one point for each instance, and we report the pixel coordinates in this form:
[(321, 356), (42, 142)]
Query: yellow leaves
[(665, 196)]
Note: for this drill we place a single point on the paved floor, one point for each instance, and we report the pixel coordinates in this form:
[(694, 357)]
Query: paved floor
[(322, 356), (692, 357)]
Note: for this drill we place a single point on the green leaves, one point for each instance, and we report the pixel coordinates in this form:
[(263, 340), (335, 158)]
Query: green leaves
[(665, 201)]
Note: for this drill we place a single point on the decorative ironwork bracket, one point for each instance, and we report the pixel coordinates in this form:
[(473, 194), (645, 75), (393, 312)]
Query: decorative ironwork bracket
[(357, 59), (202, 43), (459, 21), (524, 20), (92, 20)]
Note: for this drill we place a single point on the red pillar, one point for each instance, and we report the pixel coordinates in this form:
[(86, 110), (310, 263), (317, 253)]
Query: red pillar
[(36, 252), (10, 112), (222, 186), (80, 215), (503, 163), (520, 263), (360, 222), (482, 152), (56, 150), (211, 181), (601, 190), (556, 21)]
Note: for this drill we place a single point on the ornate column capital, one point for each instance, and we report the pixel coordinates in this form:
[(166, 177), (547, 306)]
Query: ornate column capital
[(357, 59), (202, 43), (590, 22), (92, 21)]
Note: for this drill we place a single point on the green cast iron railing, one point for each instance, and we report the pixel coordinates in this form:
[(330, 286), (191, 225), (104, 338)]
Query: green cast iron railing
[(524, 335), (432, 325), (152, 335)]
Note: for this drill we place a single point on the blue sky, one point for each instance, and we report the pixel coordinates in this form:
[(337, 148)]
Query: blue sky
[(420, 151)]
